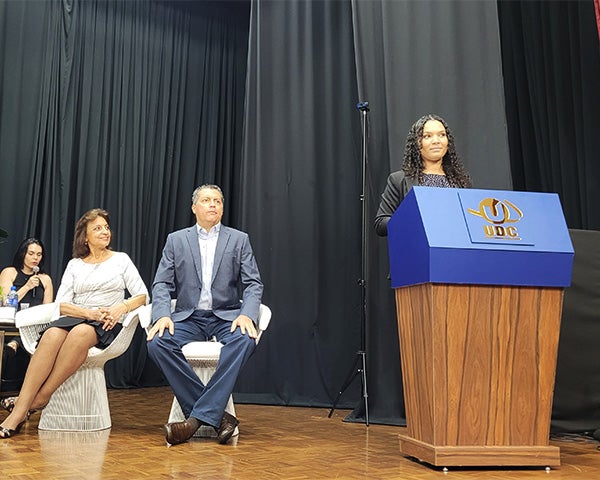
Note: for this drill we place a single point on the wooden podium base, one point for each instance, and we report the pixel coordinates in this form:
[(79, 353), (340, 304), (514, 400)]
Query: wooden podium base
[(478, 366), (480, 456)]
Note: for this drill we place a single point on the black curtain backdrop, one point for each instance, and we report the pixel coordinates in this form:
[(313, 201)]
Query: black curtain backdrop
[(551, 64), (300, 198), (576, 405), (122, 105), (130, 105)]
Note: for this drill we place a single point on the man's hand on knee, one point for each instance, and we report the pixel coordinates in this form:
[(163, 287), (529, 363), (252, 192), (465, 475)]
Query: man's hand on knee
[(162, 324), (246, 326)]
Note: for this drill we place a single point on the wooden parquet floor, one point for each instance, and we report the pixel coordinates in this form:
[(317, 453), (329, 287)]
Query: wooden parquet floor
[(274, 443)]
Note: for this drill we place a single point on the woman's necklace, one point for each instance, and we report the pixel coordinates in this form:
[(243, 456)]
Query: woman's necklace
[(96, 258)]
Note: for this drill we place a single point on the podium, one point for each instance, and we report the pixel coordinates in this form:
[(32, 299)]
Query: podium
[(479, 278)]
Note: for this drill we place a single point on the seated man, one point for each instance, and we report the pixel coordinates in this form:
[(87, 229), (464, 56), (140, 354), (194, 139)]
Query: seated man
[(205, 267)]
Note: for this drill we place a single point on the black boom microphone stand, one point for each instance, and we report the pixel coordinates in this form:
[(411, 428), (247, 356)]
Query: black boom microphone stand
[(360, 361)]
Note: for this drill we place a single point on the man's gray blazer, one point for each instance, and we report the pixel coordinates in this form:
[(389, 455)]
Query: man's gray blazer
[(235, 276)]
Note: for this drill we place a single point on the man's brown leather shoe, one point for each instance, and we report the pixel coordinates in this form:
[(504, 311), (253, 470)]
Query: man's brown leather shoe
[(227, 427), (179, 432)]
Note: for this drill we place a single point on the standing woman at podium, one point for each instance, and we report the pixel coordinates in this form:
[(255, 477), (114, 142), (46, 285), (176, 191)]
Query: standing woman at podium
[(430, 160)]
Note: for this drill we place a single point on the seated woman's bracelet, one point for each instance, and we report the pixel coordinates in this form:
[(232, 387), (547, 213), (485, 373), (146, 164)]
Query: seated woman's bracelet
[(126, 306)]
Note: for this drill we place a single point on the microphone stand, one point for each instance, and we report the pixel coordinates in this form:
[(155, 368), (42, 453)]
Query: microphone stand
[(359, 366)]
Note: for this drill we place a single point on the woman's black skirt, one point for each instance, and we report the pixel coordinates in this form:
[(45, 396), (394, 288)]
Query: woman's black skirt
[(105, 337)]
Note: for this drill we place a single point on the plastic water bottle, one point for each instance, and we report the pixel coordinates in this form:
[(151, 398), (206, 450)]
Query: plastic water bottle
[(12, 299)]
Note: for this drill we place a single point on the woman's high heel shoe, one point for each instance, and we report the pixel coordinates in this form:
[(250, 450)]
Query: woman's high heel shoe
[(9, 432), (8, 403)]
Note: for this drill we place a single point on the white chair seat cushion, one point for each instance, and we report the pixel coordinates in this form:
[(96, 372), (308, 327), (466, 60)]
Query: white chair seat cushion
[(202, 350)]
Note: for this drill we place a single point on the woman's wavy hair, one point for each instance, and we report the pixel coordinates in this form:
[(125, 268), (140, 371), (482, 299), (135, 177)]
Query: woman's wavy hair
[(19, 258), (80, 246), (412, 166)]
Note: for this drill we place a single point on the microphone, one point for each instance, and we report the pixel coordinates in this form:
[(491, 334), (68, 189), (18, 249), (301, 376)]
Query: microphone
[(363, 106), (35, 269)]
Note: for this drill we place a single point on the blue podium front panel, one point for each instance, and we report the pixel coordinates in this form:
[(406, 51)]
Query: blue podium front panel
[(488, 237)]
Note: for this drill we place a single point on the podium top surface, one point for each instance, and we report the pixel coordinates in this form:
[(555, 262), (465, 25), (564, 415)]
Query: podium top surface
[(449, 235)]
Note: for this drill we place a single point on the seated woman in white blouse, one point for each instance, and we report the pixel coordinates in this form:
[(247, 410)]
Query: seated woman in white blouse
[(91, 300)]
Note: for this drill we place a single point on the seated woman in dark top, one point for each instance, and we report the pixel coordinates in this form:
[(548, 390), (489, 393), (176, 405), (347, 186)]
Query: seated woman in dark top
[(34, 286), (430, 160)]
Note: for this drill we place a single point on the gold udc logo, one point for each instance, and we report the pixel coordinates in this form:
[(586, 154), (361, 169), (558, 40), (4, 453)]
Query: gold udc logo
[(500, 215)]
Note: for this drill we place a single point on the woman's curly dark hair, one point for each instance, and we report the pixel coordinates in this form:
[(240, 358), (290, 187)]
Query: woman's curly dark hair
[(412, 166)]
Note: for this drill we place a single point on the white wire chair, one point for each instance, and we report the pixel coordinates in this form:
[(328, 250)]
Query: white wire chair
[(81, 402)]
